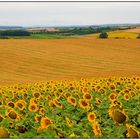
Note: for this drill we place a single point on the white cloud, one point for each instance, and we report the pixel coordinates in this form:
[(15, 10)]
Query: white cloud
[(68, 13)]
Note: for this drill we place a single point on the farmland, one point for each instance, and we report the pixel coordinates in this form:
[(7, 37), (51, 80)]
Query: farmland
[(25, 60), (126, 34), (69, 88)]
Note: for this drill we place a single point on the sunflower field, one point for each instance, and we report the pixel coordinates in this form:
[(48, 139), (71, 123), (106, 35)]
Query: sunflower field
[(85, 108)]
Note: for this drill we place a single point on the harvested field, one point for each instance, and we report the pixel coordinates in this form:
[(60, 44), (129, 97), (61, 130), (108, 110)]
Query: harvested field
[(125, 34), (26, 60), (135, 30)]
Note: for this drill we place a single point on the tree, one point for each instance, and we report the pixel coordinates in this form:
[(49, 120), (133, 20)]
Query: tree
[(138, 36), (103, 35)]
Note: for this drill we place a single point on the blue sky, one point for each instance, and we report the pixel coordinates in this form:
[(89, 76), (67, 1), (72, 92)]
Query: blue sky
[(68, 13)]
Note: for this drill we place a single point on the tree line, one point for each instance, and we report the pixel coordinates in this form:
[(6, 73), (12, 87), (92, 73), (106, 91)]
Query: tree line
[(4, 33)]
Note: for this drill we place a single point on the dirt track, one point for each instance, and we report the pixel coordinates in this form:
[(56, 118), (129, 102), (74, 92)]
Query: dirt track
[(26, 60)]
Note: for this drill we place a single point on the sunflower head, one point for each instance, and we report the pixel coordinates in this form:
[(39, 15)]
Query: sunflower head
[(33, 107), (112, 87), (45, 122), (48, 98), (87, 96), (38, 118), (96, 129), (132, 93), (112, 96), (36, 94), (67, 95), (84, 104), (33, 101), (1, 118), (72, 100), (116, 103), (0, 103), (126, 96), (69, 122), (57, 104), (118, 116), (4, 133), (98, 101), (85, 90), (12, 114), (20, 104), (91, 117), (40, 130), (51, 104), (42, 111), (11, 104), (132, 132)]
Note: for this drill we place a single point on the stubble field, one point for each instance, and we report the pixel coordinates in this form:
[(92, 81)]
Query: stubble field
[(26, 60)]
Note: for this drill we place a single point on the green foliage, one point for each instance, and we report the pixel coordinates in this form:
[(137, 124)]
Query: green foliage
[(5, 33), (103, 35), (138, 37)]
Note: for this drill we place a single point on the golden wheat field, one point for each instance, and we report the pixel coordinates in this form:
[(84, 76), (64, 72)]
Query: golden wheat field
[(25, 60)]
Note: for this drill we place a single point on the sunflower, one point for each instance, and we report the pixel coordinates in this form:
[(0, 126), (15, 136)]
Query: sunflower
[(51, 104), (60, 90), (84, 104), (57, 104), (0, 103), (45, 122), (87, 96), (1, 118), (48, 97), (67, 95), (102, 91), (33, 101), (132, 132), (96, 129), (25, 95), (33, 107), (112, 96), (36, 94), (11, 104), (69, 122), (12, 114), (40, 130), (38, 118), (91, 117), (112, 86), (40, 97), (21, 129), (137, 87), (42, 111), (98, 101), (126, 96), (20, 104), (116, 103), (72, 100), (132, 93), (85, 90), (4, 133), (118, 116)]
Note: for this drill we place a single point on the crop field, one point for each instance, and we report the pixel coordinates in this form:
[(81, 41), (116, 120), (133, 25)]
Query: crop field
[(26, 60), (70, 88), (86, 108), (134, 30), (119, 34)]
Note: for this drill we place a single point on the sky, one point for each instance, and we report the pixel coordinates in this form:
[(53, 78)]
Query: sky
[(68, 13)]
